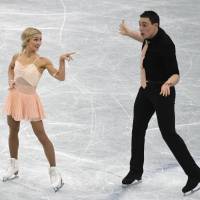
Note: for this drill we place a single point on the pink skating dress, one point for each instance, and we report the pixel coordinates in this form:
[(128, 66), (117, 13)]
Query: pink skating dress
[(22, 102)]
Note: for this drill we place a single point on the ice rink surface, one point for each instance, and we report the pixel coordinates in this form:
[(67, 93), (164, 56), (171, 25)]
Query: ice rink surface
[(89, 116)]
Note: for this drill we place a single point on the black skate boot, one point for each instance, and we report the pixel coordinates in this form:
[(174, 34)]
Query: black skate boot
[(191, 184), (130, 178)]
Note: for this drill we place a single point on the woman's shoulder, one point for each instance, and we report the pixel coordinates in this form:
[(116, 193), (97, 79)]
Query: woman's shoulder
[(44, 61), (15, 56), (42, 58)]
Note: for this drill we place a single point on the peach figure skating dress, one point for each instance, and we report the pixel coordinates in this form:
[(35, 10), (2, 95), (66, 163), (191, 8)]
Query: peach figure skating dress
[(22, 102)]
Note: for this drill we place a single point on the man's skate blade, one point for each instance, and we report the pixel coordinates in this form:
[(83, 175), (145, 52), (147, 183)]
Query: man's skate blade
[(5, 179), (136, 182), (58, 188), (196, 189)]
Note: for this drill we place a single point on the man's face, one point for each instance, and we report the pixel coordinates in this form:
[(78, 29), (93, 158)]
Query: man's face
[(147, 29)]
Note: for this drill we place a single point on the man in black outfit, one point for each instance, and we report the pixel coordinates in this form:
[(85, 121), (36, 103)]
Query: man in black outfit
[(159, 75)]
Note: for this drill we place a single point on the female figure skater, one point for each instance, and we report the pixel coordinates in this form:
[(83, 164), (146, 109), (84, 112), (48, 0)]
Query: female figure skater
[(23, 103)]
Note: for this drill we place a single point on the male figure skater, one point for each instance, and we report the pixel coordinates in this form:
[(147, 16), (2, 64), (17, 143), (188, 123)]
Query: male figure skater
[(159, 75)]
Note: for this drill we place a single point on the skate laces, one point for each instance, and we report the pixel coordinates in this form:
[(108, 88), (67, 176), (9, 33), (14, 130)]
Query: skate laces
[(54, 175), (12, 164)]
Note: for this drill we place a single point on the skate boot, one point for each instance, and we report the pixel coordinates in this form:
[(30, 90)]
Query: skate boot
[(55, 178), (130, 178), (191, 185), (12, 170)]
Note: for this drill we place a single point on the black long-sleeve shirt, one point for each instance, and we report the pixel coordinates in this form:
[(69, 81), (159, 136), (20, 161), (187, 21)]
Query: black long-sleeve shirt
[(160, 59)]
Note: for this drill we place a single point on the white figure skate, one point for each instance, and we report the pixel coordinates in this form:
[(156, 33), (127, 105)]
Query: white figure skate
[(12, 170), (55, 178)]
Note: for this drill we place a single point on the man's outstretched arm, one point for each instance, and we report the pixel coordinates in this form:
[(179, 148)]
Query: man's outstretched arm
[(125, 30)]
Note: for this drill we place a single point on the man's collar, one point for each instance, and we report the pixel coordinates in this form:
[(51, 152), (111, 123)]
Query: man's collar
[(158, 34)]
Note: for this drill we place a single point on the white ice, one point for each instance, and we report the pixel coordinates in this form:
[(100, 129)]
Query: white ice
[(89, 116)]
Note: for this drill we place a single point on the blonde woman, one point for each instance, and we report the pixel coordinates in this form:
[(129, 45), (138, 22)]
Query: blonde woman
[(23, 103)]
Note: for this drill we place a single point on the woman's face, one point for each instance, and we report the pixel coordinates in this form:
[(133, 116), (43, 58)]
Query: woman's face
[(35, 42)]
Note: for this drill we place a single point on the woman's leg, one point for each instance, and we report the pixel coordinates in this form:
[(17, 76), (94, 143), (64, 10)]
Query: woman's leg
[(13, 139), (55, 177), (39, 131), (13, 142)]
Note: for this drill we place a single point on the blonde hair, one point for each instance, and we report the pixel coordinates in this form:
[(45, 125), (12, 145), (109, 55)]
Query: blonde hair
[(27, 34)]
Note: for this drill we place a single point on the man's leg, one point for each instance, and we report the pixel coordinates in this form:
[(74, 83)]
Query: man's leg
[(143, 111), (166, 120)]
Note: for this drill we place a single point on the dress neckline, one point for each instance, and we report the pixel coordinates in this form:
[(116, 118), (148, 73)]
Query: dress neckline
[(26, 65)]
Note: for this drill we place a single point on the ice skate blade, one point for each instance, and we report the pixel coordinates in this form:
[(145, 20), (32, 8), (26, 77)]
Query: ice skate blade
[(136, 182), (59, 187), (5, 179), (192, 191)]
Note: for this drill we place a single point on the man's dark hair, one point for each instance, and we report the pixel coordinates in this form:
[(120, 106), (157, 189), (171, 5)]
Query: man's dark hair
[(153, 16)]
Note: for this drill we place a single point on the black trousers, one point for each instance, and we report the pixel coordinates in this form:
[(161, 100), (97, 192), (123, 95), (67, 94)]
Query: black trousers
[(147, 102)]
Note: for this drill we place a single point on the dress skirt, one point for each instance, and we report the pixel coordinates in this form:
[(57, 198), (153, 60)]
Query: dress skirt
[(22, 106)]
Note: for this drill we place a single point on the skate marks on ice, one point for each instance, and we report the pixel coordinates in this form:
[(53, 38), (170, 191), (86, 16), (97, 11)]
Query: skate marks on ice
[(27, 186), (162, 183), (20, 188)]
